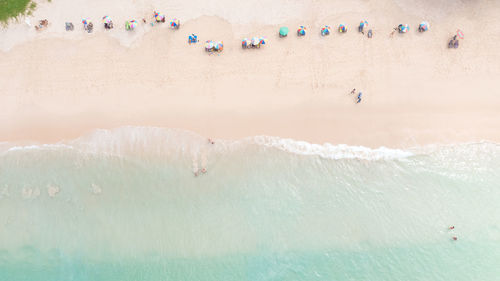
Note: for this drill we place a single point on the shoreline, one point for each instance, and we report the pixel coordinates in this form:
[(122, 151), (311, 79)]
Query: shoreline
[(415, 90)]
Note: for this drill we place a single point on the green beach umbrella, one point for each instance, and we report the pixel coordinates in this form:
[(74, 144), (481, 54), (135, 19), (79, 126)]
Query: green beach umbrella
[(284, 31)]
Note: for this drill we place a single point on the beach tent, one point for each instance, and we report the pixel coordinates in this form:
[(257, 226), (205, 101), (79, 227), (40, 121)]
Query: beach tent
[(159, 17), (460, 34), (130, 25), (175, 23), (362, 25), (193, 38), (301, 31), (283, 31), (325, 30), (342, 28), (424, 26), (403, 28), (246, 43)]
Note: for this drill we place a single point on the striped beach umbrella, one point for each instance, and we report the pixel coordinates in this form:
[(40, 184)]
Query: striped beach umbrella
[(301, 31), (159, 17), (130, 25), (342, 28), (245, 43), (219, 46), (403, 28), (424, 26), (106, 19), (175, 23), (255, 41), (460, 34), (325, 30), (209, 45)]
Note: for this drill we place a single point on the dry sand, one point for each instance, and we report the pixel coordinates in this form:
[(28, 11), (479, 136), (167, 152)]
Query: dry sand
[(416, 91)]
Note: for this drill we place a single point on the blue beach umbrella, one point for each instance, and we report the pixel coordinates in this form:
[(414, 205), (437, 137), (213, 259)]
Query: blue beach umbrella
[(424, 26)]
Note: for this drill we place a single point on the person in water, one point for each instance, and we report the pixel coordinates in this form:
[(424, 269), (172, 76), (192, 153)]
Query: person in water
[(451, 227), (359, 97), (455, 238)]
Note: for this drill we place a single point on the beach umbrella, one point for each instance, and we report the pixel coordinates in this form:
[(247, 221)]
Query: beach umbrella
[(325, 30), (245, 43), (363, 24), (106, 19), (209, 45), (460, 34), (129, 25), (175, 23), (255, 41), (301, 31), (283, 31), (342, 28), (403, 28), (263, 40), (424, 26), (218, 46), (159, 17), (85, 21)]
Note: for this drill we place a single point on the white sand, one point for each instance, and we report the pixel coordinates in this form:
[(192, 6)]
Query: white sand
[(415, 90)]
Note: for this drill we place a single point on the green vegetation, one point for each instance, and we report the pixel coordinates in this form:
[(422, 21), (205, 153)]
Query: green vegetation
[(13, 8)]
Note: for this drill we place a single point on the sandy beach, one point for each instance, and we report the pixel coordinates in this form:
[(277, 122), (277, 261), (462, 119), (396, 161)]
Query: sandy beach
[(59, 85)]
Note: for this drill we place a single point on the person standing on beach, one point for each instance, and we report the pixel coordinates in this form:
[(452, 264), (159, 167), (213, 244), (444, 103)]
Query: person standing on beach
[(359, 97), (353, 91)]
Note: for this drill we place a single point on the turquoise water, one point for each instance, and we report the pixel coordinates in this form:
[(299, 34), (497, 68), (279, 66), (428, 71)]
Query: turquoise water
[(125, 205)]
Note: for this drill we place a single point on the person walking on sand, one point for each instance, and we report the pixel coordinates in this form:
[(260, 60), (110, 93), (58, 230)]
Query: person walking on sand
[(359, 97), (353, 91)]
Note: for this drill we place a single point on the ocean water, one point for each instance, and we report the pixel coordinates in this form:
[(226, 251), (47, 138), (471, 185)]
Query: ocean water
[(125, 205)]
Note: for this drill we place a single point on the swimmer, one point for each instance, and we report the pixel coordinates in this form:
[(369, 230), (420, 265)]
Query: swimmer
[(203, 170), (210, 141), (454, 238), (451, 227)]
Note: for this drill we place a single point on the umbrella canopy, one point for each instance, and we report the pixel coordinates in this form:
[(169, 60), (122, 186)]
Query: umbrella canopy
[(325, 30), (218, 46), (284, 31), (129, 25), (460, 34), (255, 41), (85, 21), (404, 28), (342, 28), (159, 17), (301, 30), (106, 19), (262, 40), (246, 42), (424, 26), (175, 23), (209, 45), (363, 24)]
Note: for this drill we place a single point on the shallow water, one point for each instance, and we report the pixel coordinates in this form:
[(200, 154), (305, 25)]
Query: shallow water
[(125, 205)]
